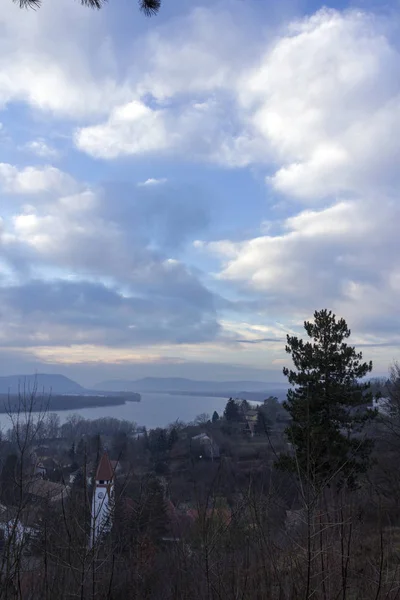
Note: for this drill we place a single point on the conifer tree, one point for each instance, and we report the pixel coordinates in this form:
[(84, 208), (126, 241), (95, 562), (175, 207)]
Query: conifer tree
[(231, 412), (172, 438), (328, 404), (263, 424)]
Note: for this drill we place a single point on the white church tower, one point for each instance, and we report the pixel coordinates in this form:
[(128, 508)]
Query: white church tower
[(103, 500)]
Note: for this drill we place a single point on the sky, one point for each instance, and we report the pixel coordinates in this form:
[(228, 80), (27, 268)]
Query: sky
[(179, 193)]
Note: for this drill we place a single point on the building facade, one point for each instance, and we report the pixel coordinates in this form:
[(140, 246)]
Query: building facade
[(102, 500)]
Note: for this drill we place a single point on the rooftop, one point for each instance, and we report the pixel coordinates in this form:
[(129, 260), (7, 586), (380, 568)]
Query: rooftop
[(46, 489), (105, 471)]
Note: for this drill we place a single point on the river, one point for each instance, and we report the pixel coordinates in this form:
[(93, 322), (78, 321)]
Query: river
[(154, 410)]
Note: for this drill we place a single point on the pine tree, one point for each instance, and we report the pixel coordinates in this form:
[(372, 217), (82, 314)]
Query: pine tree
[(244, 406), (231, 412), (271, 408), (172, 438), (81, 452), (95, 447), (119, 445), (263, 424), (327, 404), (215, 417), (153, 515), (71, 452), (9, 480)]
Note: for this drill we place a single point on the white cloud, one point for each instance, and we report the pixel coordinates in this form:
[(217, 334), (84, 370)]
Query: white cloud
[(153, 181), (55, 60), (191, 129), (33, 180), (343, 257), (41, 148), (194, 56), (317, 105), (131, 129), (98, 267), (326, 102), (321, 105)]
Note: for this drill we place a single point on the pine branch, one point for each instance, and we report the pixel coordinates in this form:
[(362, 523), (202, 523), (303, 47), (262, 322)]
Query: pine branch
[(93, 3), (148, 7), (28, 3)]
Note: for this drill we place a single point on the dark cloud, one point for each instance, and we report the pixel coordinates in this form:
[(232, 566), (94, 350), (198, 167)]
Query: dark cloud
[(163, 216), (133, 238), (62, 312)]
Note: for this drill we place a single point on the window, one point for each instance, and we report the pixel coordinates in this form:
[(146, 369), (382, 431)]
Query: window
[(101, 481)]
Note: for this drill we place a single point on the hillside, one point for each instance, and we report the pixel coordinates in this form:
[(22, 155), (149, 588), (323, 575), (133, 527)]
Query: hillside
[(177, 384), (42, 382)]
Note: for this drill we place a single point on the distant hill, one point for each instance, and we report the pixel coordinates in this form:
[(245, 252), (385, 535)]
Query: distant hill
[(55, 384), (178, 384)]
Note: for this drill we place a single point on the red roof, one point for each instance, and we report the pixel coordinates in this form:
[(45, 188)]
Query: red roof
[(105, 472)]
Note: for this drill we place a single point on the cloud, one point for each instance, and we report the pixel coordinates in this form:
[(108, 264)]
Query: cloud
[(327, 105), (179, 97), (85, 270), (191, 129), (153, 181), (343, 256), (63, 312), (131, 129), (309, 100), (323, 107), (41, 148), (33, 180), (73, 231), (70, 74), (313, 107), (320, 108)]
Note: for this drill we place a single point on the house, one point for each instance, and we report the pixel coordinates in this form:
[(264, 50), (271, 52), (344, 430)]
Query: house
[(89, 469), (42, 452), (18, 525), (207, 447), (102, 500), (14, 530), (40, 470), (382, 405), (45, 467), (250, 421), (72, 476), (40, 489)]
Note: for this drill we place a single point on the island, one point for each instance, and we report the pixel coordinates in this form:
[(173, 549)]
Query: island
[(12, 403)]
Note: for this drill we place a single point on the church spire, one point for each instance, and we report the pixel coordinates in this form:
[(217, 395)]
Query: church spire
[(103, 500), (104, 472)]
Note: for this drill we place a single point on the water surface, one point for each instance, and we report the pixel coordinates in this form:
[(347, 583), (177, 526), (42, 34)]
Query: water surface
[(154, 410)]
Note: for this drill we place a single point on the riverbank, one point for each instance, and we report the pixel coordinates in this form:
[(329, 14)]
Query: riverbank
[(153, 410), (10, 403)]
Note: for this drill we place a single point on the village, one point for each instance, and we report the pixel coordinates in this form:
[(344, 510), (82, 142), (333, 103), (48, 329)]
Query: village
[(105, 472), (87, 504)]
